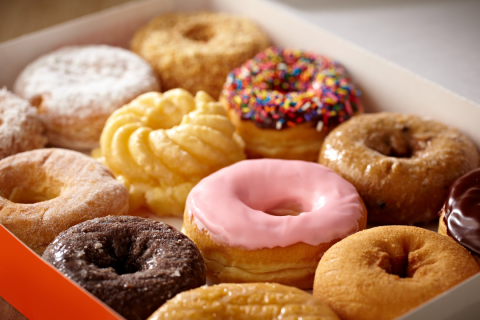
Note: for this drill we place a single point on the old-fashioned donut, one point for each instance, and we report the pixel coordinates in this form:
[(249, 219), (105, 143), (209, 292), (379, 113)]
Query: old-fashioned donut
[(196, 51), (44, 192), (270, 220), (20, 127), (76, 88), (402, 165), (460, 215), (132, 264), (249, 301), (383, 272), (284, 102)]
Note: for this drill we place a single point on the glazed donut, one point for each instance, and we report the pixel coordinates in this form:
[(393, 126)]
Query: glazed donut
[(381, 273), (460, 217), (132, 264), (402, 165), (284, 102), (250, 227), (196, 51), (161, 145), (44, 192), (77, 88), (20, 128), (250, 301)]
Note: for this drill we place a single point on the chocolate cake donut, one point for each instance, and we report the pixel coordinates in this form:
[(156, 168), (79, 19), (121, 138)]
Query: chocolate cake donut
[(132, 264)]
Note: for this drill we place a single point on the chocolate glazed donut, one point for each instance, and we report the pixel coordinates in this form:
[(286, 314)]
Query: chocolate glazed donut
[(132, 264)]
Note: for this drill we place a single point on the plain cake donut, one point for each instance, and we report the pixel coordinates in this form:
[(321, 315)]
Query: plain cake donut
[(402, 165), (44, 192), (383, 272), (249, 301), (251, 227), (76, 89), (196, 51), (20, 127), (132, 264)]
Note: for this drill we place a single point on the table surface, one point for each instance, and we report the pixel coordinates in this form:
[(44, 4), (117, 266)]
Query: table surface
[(439, 40)]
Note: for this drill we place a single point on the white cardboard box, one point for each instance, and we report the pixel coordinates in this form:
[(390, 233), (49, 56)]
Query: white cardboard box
[(384, 86)]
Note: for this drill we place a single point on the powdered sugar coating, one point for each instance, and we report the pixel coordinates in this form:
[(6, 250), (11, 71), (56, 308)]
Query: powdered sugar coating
[(76, 89), (20, 128)]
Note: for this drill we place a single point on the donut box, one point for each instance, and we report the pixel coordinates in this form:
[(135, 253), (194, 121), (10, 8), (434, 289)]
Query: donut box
[(39, 291)]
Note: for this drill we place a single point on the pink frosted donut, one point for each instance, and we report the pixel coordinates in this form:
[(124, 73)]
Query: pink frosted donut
[(271, 220)]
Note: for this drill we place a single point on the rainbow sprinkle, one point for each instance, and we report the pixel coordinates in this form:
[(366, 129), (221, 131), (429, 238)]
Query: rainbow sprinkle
[(282, 88)]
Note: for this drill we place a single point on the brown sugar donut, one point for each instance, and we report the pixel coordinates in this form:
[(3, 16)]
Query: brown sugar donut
[(381, 273), (249, 301), (77, 88), (44, 192), (402, 165), (196, 51), (132, 264), (460, 217), (20, 128)]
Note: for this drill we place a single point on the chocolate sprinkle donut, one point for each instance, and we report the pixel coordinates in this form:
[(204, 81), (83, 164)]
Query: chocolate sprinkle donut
[(132, 264)]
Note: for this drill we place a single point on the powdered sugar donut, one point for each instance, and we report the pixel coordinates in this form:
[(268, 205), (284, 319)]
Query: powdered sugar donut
[(77, 88), (20, 128)]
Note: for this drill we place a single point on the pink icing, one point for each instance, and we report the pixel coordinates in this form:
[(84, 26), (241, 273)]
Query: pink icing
[(230, 204)]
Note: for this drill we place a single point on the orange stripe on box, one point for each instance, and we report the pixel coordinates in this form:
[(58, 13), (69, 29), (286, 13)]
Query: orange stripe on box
[(39, 291)]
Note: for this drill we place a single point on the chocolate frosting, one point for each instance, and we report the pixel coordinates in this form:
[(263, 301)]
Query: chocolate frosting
[(462, 211), (132, 264)]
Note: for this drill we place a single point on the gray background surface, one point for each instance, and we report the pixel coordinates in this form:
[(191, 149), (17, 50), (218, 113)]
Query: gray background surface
[(437, 39)]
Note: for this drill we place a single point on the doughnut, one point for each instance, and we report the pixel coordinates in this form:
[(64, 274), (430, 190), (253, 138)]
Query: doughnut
[(44, 192), (270, 220), (132, 264), (284, 102), (20, 128), (77, 88), (460, 217), (383, 272), (250, 301), (161, 145), (402, 165), (196, 51)]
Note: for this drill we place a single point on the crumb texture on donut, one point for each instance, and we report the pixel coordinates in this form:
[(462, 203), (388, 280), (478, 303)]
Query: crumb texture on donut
[(20, 127), (256, 301), (132, 264), (381, 273), (76, 89), (44, 192), (161, 145), (402, 165), (196, 51)]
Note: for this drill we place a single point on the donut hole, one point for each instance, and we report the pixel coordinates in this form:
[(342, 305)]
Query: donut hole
[(199, 33), (397, 265), (396, 144), (27, 184), (36, 101), (286, 208), (30, 194)]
